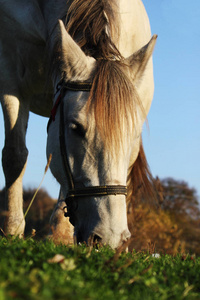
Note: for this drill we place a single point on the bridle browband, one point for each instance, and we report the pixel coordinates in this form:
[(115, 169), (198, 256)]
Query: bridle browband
[(74, 192)]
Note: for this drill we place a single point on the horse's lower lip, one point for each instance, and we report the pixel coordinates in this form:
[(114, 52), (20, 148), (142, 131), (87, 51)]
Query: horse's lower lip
[(93, 239)]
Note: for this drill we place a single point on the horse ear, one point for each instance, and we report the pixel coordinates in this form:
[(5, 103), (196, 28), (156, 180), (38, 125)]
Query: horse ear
[(73, 60), (139, 59)]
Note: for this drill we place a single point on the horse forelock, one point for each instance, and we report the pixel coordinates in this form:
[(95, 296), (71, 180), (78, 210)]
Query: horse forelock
[(114, 101)]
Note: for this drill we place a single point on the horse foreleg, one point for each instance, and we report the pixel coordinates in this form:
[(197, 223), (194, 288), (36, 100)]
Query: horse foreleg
[(14, 157), (62, 230)]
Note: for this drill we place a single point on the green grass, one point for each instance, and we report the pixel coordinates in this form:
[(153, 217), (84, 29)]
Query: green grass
[(27, 273)]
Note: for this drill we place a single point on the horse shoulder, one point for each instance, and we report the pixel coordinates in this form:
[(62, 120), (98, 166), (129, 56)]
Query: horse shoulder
[(22, 19), (22, 52)]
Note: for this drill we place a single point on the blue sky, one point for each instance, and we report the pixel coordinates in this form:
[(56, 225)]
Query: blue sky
[(172, 143)]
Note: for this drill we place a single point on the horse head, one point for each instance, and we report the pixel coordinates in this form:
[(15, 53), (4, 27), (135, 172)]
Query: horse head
[(94, 139)]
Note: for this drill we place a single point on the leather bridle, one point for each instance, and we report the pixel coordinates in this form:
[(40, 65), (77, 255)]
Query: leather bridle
[(74, 192)]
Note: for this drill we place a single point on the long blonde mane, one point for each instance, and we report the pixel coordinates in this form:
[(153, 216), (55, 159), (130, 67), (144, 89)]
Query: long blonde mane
[(92, 24)]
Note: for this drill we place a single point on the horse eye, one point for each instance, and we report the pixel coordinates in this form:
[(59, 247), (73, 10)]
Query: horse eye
[(77, 128)]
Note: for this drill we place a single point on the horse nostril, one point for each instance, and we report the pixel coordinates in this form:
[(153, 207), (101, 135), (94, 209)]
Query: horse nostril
[(96, 239)]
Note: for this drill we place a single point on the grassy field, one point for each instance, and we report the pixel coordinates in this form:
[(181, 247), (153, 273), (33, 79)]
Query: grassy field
[(41, 270)]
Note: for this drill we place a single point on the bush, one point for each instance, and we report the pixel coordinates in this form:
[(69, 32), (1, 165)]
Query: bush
[(173, 227)]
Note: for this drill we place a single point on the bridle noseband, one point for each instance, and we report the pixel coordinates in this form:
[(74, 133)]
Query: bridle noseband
[(74, 192)]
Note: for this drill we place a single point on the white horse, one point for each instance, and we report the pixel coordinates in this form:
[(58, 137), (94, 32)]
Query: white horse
[(102, 82)]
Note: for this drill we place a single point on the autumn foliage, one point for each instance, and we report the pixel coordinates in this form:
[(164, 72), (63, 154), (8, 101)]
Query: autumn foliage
[(173, 226)]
